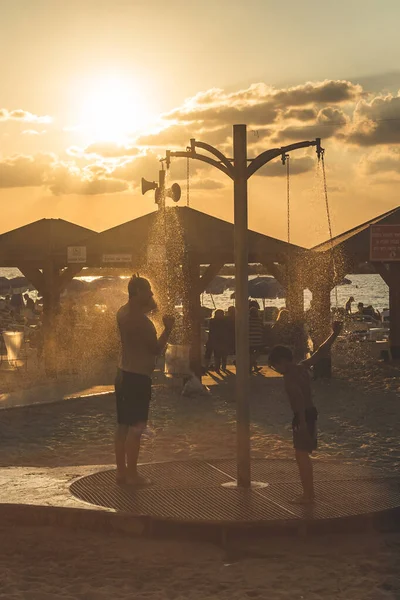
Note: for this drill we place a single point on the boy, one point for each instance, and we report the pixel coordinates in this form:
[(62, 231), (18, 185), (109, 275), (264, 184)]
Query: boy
[(298, 388)]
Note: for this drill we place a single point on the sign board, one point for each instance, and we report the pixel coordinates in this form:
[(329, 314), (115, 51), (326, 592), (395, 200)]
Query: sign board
[(76, 254), (117, 258), (385, 243), (157, 253)]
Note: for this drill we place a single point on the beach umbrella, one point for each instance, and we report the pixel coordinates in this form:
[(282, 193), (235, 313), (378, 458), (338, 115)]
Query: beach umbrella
[(265, 288), (218, 285), (77, 285), (4, 285)]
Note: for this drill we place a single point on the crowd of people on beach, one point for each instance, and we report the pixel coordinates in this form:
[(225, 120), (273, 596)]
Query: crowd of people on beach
[(263, 335)]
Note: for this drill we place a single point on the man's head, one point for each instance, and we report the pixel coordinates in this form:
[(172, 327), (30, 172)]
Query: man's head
[(26, 296), (140, 292), (360, 305), (219, 314), (280, 358)]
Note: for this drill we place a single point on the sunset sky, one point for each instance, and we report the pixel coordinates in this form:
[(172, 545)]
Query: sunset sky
[(94, 91)]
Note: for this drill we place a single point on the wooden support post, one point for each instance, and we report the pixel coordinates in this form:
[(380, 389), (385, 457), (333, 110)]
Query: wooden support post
[(394, 308), (192, 310), (295, 292), (390, 273), (51, 305)]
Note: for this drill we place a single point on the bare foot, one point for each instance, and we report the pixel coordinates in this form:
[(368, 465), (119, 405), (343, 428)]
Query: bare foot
[(120, 478), (138, 480), (303, 499)]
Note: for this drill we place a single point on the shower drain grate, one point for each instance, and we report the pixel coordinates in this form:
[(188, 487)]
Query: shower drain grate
[(192, 492)]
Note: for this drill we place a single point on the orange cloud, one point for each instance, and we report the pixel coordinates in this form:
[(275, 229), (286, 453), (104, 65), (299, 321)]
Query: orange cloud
[(22, 116)]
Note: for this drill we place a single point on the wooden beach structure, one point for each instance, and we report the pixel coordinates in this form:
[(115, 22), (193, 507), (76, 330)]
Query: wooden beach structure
[(350, 252), (39, 251), (51, 252)]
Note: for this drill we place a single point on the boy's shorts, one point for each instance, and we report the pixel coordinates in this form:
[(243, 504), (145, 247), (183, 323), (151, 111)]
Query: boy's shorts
[(306, 443)]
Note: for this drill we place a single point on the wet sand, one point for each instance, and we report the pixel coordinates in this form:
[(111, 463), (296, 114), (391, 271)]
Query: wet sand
[(354, 423)]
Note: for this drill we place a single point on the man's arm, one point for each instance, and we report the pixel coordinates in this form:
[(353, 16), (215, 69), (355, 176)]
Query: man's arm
[(163, 339), (324, 348)]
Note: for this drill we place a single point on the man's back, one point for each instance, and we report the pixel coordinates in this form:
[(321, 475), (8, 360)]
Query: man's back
[(138, 341)]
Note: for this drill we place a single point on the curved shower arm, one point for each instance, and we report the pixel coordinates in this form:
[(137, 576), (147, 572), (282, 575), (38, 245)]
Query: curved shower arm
[(268, 155)]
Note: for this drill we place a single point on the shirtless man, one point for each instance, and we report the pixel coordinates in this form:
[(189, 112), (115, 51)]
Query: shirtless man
[(139, 349), (298, 389)]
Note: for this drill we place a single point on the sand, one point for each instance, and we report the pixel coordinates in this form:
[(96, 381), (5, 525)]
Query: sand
[(44, 564), (358, 421)]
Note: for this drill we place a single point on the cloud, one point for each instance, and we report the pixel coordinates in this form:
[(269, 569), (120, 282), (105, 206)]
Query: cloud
[(25, 171), (33, 132), (206, 184), (23, 116), (376, 122), (297, 166), (381, 162), (66, 181), (179, 135), (300, 114), (61, 178), (261, 104), (110, 150), (329, 121)]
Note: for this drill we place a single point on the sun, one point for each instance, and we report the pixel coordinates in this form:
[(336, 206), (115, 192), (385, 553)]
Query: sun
[(113, 109)]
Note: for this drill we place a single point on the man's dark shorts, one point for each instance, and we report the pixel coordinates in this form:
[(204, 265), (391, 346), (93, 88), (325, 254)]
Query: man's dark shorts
[(306, 443), (133, 394)]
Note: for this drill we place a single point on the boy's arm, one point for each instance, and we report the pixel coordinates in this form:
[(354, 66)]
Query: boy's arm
[(324, 348)]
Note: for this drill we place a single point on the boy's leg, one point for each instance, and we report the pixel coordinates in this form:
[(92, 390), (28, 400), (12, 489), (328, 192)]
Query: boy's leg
[(305, 466), (217, 361)]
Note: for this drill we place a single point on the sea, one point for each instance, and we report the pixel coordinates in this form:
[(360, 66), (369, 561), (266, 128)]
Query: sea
[(369, 289)]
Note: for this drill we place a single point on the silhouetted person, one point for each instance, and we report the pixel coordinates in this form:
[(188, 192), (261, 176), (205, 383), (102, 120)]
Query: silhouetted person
[(256, 335), (217, 343), (17, 303), (298, 389), (29, 303), (139, 349), (348, 305)]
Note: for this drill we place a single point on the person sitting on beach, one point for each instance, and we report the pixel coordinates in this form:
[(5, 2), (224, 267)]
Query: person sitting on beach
[(139, 349), (298, 389), (348, 305), (218, 342)]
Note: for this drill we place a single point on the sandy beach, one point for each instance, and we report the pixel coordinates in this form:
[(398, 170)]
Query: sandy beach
[(44, 564), (45, 446)]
